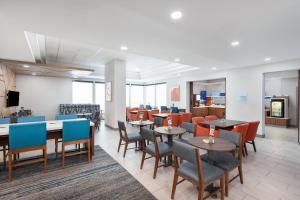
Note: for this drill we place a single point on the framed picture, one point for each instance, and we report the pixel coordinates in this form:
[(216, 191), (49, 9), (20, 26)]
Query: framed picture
[(175, 93), (108, 91)]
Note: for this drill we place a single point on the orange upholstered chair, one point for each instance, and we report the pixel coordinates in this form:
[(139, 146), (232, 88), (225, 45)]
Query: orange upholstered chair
[(242, 129), (251, 134), (185, 117), (150, 113), (203, 131), (131, 116), (210, 117), (145, 117), (197, 120), (175, 118)]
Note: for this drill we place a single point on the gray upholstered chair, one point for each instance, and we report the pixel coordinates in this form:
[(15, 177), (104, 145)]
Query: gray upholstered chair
[(155, 149), (189, 127), (127, 137), (228, 161), (194, 170)]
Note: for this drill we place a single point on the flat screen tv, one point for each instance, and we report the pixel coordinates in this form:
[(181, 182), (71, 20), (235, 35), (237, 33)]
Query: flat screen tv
[(12, 98)]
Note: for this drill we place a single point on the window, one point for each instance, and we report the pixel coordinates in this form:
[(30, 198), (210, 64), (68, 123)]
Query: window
[(136, 95), (82, 92), (100, 95), (128, 95), (161, 95), (150, 95)]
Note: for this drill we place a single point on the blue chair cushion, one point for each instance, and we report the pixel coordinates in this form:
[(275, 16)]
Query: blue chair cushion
[(164, 149), (223, 160), (210, 172), (74, 130), (31, 119), (27, 135), (4, 120), (133, 137), (65, 117)]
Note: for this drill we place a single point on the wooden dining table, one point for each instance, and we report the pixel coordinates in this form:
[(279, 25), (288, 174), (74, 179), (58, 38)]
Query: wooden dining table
[(222, 123), (54, 131)]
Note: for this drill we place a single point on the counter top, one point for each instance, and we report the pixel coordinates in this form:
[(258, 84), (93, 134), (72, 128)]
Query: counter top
[(214, 106)]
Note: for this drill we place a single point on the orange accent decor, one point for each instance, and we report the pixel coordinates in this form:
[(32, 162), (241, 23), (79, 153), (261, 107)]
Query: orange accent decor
[(175, 119), (202, 131), (197, 120), (210, 117), (242, 129), (175, 94), (185, 117), (252, 130)]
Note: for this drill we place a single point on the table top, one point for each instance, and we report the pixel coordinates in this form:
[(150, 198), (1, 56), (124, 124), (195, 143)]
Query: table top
[(84, 114), (173, 131), (134, 111), (222, 123), (162, 115), (219, 145), (53, 125), (143, 123)]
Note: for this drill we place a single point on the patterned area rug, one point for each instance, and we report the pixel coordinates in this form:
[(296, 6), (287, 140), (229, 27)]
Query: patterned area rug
[(103, 178)]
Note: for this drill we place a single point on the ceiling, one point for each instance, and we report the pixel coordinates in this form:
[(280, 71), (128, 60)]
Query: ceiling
[(264, 28)]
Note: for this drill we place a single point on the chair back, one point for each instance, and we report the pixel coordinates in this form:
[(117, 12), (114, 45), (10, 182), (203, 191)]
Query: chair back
[(211, 117), (186, 117), (242, 129), (148, 107), (189, 127), (22, 136), (141, 106), (174, 110), (175, 119), (233, 137), (76, 130), (122, 130), (66, 117), (148, 134), (163, 108), (158, 121), (4, 120), (150, 113), (30, 119), (252, 130), (197, 120), (144, 113)]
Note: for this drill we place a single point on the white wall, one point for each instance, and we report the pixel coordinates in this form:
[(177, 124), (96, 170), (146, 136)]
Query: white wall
[(43, 94), (238, 81)]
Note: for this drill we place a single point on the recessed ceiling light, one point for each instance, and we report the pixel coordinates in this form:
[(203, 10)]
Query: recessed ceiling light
[(176, 15), (26, 66), (177, 59), (124, 48), (33, 73), (268, 59), (214, 68), (235, 43)]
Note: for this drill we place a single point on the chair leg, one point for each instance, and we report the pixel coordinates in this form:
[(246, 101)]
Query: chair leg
[(254, 147), (161, 139), (226, 183), (4, 156), (143, 159), (241, 174), (175, 180), (10, 166), (63, 156), (200, 192), (245, 147), (45, 159), (126, 145), (243, 152), (120, 142), (222, 188), (155, 167), (56, 147), (89, 151)]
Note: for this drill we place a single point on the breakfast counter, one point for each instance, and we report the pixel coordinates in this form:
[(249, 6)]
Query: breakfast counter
[(203, 111)]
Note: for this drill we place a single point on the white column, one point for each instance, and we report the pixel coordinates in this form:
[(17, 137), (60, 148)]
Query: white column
[(115, 72)]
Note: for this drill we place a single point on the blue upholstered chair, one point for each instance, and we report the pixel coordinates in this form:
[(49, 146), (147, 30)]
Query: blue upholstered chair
[(141, 106), (162, 108), (66, 117), (25, 138), (76, 132), (148, 107), (174, 110), (31, 119), (4, 120), (194, 170)]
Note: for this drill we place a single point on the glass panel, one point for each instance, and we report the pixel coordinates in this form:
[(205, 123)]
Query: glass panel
[(127, 95), (161, 95), (136, 95), (150, 95), (82, 92), (100, 95)]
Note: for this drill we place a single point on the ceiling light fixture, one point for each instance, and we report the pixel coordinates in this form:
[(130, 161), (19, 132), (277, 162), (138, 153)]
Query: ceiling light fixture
[(26, 66), (176, 15), (177, 59), (235, 43), (124, 48), (214, 68), (268, 59)]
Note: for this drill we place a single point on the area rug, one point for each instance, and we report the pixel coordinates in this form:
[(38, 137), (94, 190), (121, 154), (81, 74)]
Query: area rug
[(102, 178)]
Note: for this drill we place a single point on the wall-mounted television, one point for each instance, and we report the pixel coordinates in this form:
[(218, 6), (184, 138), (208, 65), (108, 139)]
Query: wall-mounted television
[(13, 98)]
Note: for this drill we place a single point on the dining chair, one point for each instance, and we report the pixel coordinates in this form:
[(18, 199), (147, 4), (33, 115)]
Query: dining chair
[(174, 110), (198, 120), (148, 107), (194, 170), (175, 119), (26, 138), (163, 108), (30, 119), (158, 122), (5, 120), (75, 132), (141, 106), (251, 134), (128, 138), (157, 150), (186, 117), (228, 161), (66, 117), (3, 143), (144, 113), (242, 129), (202, 131), (189, 127), (211, 117), (150, 114)]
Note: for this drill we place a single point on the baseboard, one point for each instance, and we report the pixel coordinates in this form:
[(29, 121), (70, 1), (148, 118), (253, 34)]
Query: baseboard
[(108, 126)]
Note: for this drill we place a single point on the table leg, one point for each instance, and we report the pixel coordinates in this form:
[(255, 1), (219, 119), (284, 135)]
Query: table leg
[(170, 142), (211, 188), (92, 132)]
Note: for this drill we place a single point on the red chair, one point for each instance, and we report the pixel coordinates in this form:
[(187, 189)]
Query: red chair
[(197, 120), (242, 129), (165, 111), (185, 117), (203, 131), (211, 117), (251, 134), (175, 119), (150, 113)]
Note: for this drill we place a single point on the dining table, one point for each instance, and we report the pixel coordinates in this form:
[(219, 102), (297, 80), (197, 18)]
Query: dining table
[(161, 115), (54, 131), (84, 115), (222, 123)]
